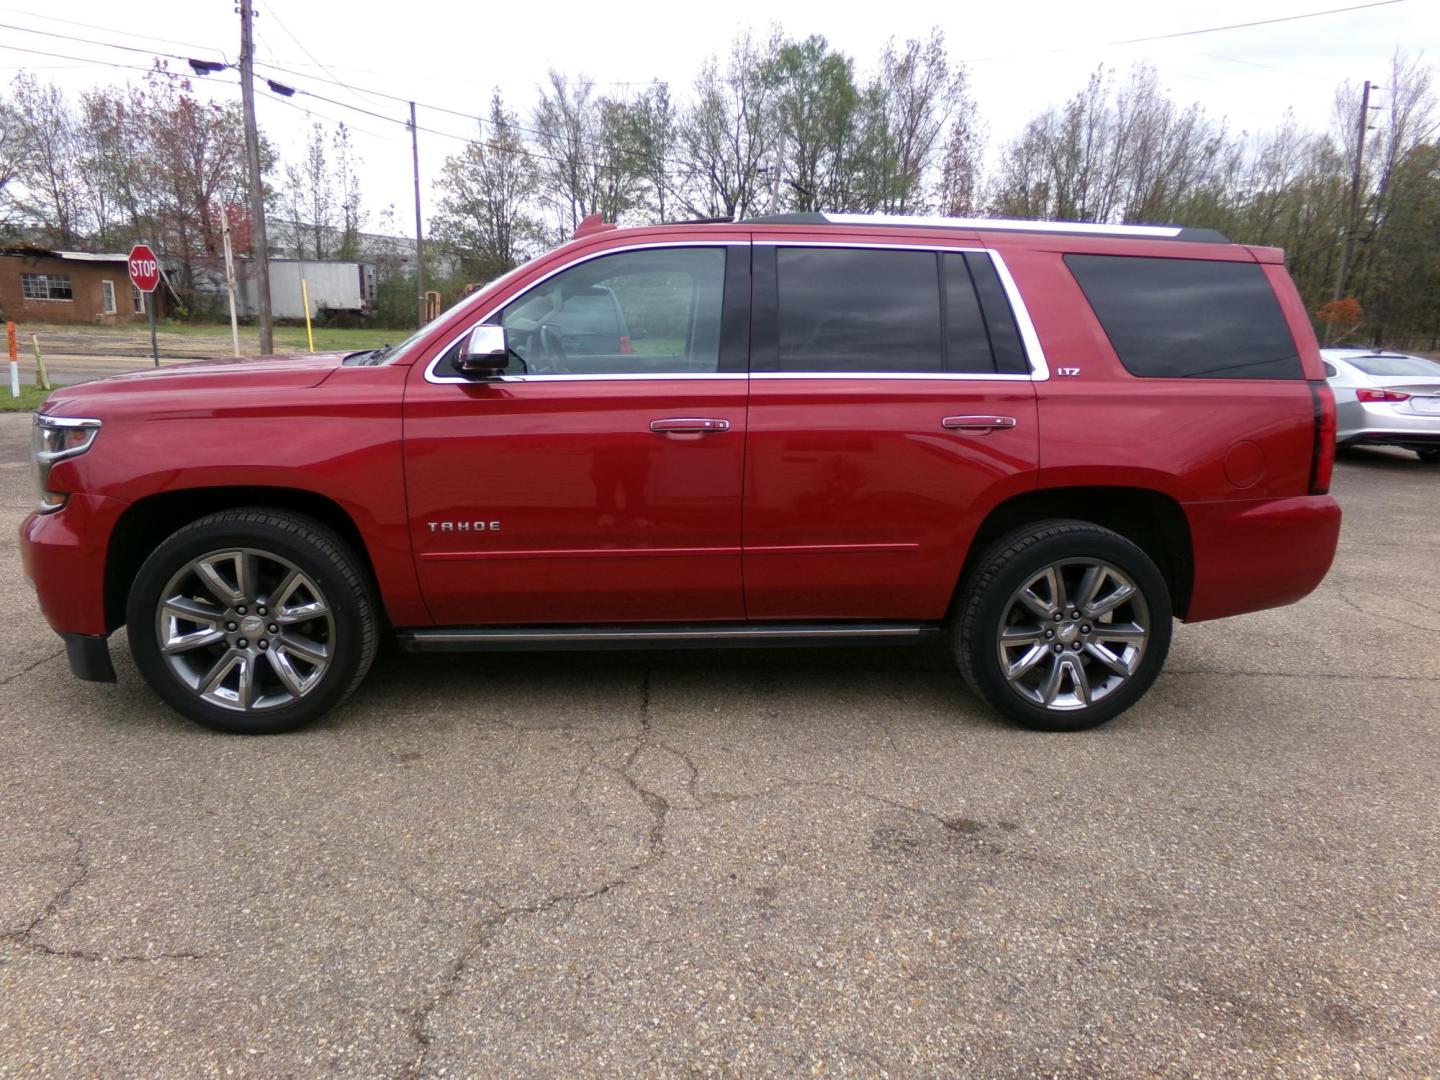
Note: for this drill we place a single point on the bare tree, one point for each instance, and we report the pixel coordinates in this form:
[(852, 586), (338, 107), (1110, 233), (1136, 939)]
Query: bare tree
[(961, 161), (49, 181), (919, 94), (650, 139), (728, 135), (348, 194), (583, 164)]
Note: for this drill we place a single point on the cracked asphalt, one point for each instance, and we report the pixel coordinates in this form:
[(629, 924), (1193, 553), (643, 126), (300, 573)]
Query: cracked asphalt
[(746, 864)]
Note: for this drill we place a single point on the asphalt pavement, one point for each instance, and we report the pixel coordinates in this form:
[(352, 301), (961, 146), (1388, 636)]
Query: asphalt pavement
[(745, 864)]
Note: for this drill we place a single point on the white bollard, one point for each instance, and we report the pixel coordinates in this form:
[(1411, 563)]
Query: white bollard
[(14, 378)]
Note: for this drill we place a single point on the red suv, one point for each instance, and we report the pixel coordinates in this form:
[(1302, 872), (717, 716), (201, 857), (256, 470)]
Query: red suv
[(1042, 441)]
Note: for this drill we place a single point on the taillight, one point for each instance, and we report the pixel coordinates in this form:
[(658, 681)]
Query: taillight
[(1322, 458), (1382, 395), (627, 348)]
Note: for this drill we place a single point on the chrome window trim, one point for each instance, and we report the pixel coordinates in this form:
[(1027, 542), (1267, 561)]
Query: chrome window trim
[(934, 376), (1039, 367), (654, 245)]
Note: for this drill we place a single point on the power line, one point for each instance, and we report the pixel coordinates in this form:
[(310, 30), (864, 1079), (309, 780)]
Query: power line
[(339, 104), (113, 63), (307, 93), (1265, 67), (478, 120), (1257, 22), (446, 134), (110, 29), (1187, 33), (281, 23), (326, 116), (101, 44)]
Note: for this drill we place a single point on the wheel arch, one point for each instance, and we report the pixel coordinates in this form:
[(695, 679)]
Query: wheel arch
[(146, 523), (1152, 520)]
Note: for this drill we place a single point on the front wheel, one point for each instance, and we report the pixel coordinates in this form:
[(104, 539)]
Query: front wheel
[(1064, 625), (252, 621)]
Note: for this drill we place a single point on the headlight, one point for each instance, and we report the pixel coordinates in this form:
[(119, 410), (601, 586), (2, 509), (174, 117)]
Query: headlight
[(56, 438)]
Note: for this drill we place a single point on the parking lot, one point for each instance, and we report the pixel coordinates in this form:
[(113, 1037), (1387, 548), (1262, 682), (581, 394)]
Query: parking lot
[(743, 864)]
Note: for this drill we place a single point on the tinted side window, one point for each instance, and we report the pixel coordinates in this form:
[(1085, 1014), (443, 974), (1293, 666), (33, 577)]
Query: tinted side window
[(967, 342), (1004, 334), (1189, 318), (636, 312), (858, 310)]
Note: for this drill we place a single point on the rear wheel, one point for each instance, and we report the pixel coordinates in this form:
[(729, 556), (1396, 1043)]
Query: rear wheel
[(1429, 456), (1063, 626), (252, 621)]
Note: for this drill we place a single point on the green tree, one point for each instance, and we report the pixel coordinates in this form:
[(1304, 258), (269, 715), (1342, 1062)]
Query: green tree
[(485, 194)]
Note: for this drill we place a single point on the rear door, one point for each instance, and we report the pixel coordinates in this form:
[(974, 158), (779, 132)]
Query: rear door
[(891, 407)]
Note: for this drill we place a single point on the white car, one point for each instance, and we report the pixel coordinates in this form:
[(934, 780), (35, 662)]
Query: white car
[(1386, 399)]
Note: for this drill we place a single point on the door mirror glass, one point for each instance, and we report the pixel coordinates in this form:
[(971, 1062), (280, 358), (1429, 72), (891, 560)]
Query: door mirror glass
[(484, 354)]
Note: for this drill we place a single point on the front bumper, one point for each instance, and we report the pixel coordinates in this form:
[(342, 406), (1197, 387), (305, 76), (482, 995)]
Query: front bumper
[(1255, 554), (64, 555)]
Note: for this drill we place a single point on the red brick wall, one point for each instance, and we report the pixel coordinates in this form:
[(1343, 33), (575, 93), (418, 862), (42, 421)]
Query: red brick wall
[(87, 306)]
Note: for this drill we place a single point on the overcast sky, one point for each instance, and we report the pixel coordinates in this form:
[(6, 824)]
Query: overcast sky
[(1021, 57)]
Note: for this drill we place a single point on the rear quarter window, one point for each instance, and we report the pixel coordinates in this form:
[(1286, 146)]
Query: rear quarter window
[(1188, 318)]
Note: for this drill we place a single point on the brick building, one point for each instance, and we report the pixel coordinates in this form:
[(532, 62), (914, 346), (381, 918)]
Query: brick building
[(37, 285)]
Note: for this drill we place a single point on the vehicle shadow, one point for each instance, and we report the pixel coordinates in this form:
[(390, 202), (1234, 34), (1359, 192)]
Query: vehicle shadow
[(1380, 458), (712, 680)]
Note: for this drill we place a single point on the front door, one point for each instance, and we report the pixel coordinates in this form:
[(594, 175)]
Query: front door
[(891, 406), (601, 482)]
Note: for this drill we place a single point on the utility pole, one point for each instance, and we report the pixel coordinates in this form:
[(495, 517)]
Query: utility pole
[(419, 234), (260, 248), (1352, 224)]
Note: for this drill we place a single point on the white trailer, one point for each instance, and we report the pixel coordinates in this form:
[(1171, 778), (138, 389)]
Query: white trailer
[(333, 286)]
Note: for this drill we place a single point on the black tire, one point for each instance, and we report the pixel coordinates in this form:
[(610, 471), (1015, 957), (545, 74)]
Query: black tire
[(352, 633), (1429, 456), (991, 587)]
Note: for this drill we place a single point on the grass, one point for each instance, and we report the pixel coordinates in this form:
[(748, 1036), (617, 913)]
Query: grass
[(28, 401), (287, 338)]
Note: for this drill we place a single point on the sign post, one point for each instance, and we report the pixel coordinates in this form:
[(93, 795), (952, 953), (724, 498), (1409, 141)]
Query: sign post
[(230, 278), (145, 276), (14, 350)]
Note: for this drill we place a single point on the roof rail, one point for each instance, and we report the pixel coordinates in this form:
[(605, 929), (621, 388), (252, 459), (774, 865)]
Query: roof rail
[(1078, 228)]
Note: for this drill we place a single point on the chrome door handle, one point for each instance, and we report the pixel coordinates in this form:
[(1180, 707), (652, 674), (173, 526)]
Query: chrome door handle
[(977, 423), (688, 425)]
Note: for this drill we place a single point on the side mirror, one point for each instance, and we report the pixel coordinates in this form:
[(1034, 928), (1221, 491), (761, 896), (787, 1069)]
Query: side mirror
[(484, 354)]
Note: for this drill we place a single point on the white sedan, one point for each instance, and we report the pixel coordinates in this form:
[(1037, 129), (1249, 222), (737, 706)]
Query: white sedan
[(1386, 399)]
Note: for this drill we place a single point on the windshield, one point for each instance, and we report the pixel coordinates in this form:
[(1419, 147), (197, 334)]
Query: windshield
[(1396, 366)]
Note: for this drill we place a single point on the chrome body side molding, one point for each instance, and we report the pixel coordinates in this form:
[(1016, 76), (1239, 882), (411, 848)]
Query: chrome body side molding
[(681, 636)]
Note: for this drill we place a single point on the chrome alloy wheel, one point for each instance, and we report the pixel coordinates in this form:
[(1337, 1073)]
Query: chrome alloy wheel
[(1073, 634), (245, 629)]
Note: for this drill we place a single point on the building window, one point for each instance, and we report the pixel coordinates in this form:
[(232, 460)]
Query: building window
[(137, 300), (107, 297), (45, 286)]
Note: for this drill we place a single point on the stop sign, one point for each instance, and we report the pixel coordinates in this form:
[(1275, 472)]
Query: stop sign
[(144, 268)]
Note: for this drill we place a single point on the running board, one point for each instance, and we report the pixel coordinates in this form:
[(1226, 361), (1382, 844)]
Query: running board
[(690, 636)]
